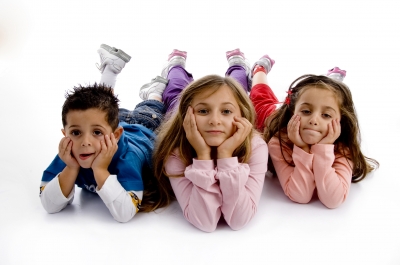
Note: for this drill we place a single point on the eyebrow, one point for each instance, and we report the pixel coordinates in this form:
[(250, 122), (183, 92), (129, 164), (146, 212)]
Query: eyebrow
[(223, 103), (77, 126), (326, 107)]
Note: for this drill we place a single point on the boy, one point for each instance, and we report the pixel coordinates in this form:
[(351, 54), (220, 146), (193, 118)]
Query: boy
[(106, 150)]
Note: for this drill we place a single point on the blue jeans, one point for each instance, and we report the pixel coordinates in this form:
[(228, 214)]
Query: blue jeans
[(149, 113)]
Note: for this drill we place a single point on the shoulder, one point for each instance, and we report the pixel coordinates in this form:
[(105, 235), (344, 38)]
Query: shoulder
[(257, 140), (174, 166)]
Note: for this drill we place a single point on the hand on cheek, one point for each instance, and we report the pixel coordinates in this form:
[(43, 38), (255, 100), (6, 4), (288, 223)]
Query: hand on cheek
[(203, 150), (65, 153), (109, 147), (334, 130), (243, 128), (293, 131)]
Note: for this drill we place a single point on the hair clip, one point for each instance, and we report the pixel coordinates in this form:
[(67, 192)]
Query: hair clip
[(287, 100)]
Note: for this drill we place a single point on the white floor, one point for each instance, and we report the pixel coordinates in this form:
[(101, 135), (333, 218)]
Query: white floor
[(47, 47)]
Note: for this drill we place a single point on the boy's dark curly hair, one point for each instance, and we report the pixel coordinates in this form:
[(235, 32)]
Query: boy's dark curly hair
[(92, 96)]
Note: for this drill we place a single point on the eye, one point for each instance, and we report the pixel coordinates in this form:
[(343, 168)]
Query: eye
[(305, 111), (226, 111), (75, 132), (202, 111), (97, 133), (325, 115)]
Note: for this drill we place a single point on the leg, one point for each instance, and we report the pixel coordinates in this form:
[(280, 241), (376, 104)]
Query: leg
[(262, 96), (239, 68), (113, 61), (149, 113), (178, 78)]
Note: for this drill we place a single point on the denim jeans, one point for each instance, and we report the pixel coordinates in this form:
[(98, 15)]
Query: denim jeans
[(149, 113)]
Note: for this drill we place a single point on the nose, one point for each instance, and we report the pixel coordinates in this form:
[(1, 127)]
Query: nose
[(313, 119), (86, 140), (215, 118)]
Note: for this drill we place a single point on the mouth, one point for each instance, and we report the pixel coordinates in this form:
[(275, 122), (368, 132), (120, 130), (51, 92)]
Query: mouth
[(214, 132), (85, 156)]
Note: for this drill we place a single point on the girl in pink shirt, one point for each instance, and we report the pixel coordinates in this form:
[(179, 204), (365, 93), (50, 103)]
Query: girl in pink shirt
[(207, 154), (313, 138)]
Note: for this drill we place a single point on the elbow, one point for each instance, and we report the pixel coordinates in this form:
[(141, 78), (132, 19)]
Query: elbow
[(207, 227), (49, 207), (123, 218), (332, 204), (205, 224), (299, 197)]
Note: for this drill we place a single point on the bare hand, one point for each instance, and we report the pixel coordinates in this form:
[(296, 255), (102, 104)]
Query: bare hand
[(293, 130), (227, 148), (333, 133), (109, 147), (65, 153), (203, 150)]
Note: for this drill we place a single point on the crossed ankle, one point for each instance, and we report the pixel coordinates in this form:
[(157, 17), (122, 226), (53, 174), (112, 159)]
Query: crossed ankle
[(259, 68)]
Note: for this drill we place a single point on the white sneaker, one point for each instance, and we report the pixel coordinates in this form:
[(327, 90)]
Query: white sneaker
[(156, 86), (113, 57)]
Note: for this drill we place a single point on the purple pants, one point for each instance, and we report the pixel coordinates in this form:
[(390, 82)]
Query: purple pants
[(179, 78)]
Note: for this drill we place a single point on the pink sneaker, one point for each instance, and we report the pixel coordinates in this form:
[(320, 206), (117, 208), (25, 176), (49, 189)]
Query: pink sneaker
[(176, 57), (176, 52), (235, 52), (336, 73), (236, 57)]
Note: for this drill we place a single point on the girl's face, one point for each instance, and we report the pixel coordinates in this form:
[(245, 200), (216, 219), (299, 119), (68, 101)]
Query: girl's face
[(317, 108), (214, 114)]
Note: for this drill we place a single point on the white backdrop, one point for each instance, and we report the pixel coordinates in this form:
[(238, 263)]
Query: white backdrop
[(47, 47)]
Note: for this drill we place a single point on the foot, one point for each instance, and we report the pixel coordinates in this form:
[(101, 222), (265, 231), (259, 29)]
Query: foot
[(266, 62), (176, 57), (236, 57), (112, 57), (155, 88), (336, 73)]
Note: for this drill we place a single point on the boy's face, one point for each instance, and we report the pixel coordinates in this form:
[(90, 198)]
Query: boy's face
[(87, 129)]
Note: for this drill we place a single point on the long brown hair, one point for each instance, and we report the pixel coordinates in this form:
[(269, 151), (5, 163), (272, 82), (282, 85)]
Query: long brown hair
[(172, 134), (348, 143)]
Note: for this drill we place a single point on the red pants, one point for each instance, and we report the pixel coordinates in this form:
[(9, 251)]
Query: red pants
[(264, 101)]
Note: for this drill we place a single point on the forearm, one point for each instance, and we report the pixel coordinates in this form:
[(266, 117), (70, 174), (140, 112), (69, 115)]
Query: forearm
[(67, 180), (52, 197), (332, 175), (199, 195), (239, 204), (298, 182), (241, 185), (122, 204)]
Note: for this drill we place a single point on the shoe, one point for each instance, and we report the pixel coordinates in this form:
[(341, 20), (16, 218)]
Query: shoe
[(113, 57), (156, 86), (336, 73), (266, 62), (236, 57), (176, 57)]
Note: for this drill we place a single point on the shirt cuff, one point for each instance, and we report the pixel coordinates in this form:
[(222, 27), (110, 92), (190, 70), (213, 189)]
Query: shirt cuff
[(54, 192), (228, 163), (111, 189), (203, 164)]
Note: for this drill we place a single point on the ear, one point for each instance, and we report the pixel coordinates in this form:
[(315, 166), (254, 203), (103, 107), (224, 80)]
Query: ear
[(118, 132), (63, 131)]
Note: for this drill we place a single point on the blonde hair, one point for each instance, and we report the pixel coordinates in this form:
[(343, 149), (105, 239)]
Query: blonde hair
[(172, 134)]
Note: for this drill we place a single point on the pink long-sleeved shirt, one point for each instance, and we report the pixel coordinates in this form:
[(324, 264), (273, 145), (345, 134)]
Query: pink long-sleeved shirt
[(229, 188), (320, 169)]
